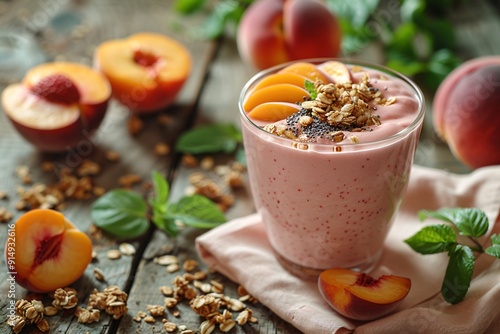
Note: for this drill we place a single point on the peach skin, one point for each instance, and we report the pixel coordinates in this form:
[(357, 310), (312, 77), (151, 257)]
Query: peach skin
[(361, 297), (49, 251), (272, 32), (465, 111), (57, 105)]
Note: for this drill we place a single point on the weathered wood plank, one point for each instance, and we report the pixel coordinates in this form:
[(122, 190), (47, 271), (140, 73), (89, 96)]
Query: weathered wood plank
[(101, 21)]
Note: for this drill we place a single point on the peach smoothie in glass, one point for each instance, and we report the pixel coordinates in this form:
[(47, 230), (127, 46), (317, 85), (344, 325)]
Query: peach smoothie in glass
[(329, 146)]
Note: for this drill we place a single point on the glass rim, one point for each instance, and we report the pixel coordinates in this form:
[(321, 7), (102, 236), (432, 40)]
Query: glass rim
[(347, 146)]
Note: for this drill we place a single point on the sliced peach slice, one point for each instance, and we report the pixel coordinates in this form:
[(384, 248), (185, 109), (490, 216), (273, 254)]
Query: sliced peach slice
[(275, 93), (305, 69), (273, 111), (337, 71), (359, 296), (279, 78)]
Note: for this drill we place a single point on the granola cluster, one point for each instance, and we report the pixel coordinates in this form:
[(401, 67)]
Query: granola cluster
[(337, 107)]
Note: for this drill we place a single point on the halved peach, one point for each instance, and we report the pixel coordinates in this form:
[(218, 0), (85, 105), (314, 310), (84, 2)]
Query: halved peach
[(48, 123), (49, 251), (146, 70), (307, 70), (275, 93), (280, 78), (273, 111), (359, 296)]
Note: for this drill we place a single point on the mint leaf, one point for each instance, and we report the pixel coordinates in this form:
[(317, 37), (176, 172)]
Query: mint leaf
[(161, 191), (210, 139), (188, 6), (309, 86), (470, 222), (458, 274), (196, 211), (433, 239), (166, 224), (494, 249), (122, 213)]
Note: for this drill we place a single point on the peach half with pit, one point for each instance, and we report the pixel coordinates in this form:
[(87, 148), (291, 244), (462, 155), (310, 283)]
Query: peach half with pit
[(57, 104), (146, 70), (359, 296), (49, 252), (273, 32), (465, 111)]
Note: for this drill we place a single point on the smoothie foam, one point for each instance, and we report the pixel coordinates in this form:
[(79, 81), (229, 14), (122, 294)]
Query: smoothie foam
[(328, 203)]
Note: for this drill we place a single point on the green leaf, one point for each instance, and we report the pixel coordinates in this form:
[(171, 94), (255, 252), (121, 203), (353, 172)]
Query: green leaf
[(122, 213), (440, 65), (402, 40), (494, 249), (240, 156), (470, 222), (188, 6), (309, 86), (355, 11), (222, 13), (196, 211), (412, 9), (166, 224), (210, 139), (433, 239), (161, 191), (405, 64), (458, 274)]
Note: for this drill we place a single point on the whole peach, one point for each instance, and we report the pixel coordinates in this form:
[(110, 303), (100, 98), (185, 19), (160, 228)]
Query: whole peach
[(276, 31), (466, 114)]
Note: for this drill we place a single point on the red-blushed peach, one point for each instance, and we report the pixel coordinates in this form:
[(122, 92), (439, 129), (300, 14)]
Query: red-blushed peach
[(359, 296), (146, 70), (465, 111), (57, 105), (49, 252), (272, 32)]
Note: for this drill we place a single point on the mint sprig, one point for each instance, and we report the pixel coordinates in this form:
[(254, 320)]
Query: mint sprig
[(126, 214), (470, 223)]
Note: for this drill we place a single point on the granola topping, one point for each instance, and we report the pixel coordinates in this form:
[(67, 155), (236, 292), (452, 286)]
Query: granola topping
[(336, 109)]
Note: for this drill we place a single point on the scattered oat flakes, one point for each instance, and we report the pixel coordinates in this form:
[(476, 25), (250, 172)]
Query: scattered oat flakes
[(126, 248), (172, 268), (149, 319), (50, 311), (156, 310), (189, 160), (99, 275), (87, 316), (23, 173), (169, 327), (135, 125), (88, 167), (5, 215), (129, 180), (207, 163), (190, 265), (162, 149), (112, 156), (166, 290), (113, 254), (165, 260)]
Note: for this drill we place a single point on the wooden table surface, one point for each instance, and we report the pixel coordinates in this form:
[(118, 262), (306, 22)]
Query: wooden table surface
[(70, 31)]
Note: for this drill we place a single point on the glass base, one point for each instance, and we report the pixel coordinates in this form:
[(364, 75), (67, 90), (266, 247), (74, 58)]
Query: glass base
[(313, 273)]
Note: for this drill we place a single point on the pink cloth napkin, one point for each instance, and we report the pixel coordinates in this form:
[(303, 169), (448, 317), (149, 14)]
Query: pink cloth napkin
[(239, 249)]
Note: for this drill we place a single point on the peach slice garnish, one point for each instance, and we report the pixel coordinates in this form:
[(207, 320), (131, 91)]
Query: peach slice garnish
[(307, 70), (273, 111), (337, 71), (275, 93), (279, 78), (359, 296)]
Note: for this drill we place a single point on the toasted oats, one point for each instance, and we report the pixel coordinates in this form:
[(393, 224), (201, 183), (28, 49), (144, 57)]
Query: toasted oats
[(129, 180), (166, 290), (190, 265), (17, 323), (156, 310), (170, 302), (227, 325), (207, 327), (135, 125), (113, 254), (244, 316), (169, 327), (112, 156), (189, 161), (162, 149), (126, 248), (149, 319), (207, 163), (50, 311), (65, 298), (165, 260), (99, 275), (217, 287), (43, 325), (88, 167)]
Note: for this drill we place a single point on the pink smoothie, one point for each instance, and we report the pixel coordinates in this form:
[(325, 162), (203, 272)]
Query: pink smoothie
[(330, 204)]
